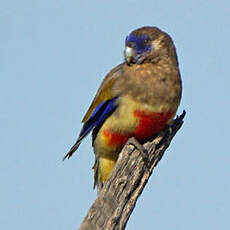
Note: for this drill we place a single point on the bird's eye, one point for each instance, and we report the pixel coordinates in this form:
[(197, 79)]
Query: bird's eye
[(146, 41)]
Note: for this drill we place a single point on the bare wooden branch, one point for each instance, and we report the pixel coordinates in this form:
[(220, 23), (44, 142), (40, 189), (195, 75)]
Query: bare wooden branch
[(116, 201)]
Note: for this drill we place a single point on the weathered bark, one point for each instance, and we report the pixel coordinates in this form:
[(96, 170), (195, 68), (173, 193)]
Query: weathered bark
[(117, 199)]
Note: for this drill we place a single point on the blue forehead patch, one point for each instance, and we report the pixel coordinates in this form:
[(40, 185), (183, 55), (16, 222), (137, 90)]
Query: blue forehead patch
[(138, 42)]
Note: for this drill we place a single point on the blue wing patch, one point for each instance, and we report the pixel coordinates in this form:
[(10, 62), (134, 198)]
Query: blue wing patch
[(98, 116), (101, 112)]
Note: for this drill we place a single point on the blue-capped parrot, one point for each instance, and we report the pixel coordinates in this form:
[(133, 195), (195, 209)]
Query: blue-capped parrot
[(136, 99)]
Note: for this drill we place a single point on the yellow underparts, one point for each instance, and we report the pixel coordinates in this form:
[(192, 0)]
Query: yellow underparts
[(105, 168), (115, 132)]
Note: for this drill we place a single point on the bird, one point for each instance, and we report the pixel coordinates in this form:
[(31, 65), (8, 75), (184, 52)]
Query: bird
[(136, 99)]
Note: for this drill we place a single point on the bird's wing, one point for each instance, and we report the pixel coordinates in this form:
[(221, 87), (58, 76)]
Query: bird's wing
[(104, 92), (102, 106)]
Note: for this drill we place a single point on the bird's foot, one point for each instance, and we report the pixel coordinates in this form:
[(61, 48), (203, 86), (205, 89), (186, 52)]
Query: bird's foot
[(144, 153)]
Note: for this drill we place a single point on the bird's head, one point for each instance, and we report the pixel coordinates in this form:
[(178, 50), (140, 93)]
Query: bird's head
[(146, 43)]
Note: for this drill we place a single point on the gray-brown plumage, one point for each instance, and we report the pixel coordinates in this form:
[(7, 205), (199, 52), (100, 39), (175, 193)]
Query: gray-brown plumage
[(136, 99)]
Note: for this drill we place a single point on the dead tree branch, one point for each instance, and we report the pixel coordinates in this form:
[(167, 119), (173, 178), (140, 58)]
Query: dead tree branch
[(116, 201)]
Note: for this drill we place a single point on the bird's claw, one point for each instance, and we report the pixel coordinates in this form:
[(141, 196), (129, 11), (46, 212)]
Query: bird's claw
[(144, 153)]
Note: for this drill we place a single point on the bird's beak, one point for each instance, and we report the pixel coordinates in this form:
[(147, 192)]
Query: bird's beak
[(129, 52)]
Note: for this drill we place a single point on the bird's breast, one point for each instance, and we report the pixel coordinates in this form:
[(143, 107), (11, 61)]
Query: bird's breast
[(150, 123), (139, 124), (155, 85)]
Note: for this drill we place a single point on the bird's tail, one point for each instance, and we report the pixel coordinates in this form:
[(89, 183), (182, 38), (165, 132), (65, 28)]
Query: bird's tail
[(73, 149)]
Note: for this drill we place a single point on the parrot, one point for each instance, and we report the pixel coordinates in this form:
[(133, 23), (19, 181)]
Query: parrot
[(136, 99)]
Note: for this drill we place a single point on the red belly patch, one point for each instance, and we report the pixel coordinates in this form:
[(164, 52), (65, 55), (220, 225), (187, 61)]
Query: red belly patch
[(114, 139), (149, 124)]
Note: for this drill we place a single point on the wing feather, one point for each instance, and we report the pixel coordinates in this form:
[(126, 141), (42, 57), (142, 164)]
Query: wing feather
[(104, 103), (104, 92)]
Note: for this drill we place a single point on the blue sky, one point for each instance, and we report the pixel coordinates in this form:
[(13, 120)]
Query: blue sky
[(53, 56)]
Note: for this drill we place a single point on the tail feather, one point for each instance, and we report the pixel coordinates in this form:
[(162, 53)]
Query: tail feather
[(101, 112), (73, 149), (97, 182)]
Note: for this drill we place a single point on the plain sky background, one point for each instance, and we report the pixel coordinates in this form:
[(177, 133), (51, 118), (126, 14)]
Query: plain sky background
[(53, 57)]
